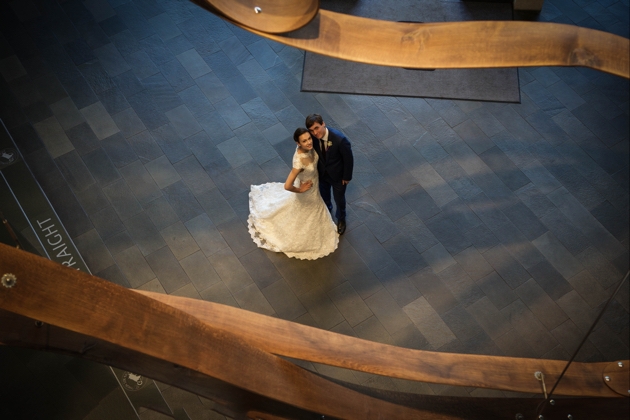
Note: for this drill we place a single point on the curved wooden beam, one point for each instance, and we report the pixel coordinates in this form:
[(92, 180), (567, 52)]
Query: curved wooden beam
[(234, 402), (81, 303), (450, 45), (301, 342), (271, 16)]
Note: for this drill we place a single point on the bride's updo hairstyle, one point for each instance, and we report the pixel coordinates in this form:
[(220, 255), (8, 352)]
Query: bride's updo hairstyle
[(298, 133)]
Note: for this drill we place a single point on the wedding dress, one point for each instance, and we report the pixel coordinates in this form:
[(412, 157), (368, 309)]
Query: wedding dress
[(297, 224)]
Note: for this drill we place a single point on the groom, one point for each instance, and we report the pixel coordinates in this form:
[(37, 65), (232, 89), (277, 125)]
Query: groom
[(334, 165)]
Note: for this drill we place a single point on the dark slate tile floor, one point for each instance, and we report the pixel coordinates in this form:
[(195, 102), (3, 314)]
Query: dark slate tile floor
[(473, 227)]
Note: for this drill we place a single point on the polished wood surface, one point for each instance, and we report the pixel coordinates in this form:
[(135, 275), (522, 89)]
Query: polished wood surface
[(271, 16), (234, 402), (198, 346), (449, 45), (81, 303), (302, 342)]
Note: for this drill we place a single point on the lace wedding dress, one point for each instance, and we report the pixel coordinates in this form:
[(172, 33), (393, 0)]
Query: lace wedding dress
[(297, 224)]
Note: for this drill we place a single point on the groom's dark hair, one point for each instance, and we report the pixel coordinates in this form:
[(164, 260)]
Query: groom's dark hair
[(298, 133), (312, 119)]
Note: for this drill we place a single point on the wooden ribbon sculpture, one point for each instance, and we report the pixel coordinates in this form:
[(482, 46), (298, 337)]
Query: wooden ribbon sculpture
[(448, 45), (231, 356)]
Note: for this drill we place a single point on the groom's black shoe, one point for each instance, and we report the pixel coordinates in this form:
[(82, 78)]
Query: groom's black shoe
[(341, 227)]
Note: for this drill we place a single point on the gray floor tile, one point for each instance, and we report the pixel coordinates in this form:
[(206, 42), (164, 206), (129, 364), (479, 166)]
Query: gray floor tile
[(119, 151), (461, 285), (350, 304), (167, 269), (578, 310), (200, 271), (162, 172), (219, 293), (476, 139), (99, 120), (128, 122), (591, 228), (111, 60), (160, 212), (283, 300), (53, 136), (179, 240), (134, 266), (493, 322), (74, 171), (438, 258), (496, 290), (588, 288), (83, 138), (93, 251), (508, 268), (473, 263), (545, 309), (67, 113), (558, 255), (183, 121), (461, 323), (251, 299), (206, 235), (429, 323), (232, 113), (140, 182), (144, 234), (229, 268), (371, 329), (119, 242), (388, 312), (446, 232), (170, 142), (101, 167), (321, 308), (398, 284), (405, 254), (263, 272), (107, 222)]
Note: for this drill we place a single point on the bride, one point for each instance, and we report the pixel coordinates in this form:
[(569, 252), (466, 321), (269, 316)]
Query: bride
[(292, 218)]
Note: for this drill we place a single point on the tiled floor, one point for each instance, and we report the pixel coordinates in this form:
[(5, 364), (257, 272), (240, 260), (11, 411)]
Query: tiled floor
[(473, 227)]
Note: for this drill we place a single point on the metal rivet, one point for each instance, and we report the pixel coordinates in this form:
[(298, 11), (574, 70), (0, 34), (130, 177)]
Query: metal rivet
[(39, 324), (570, 417), (519, 416), (607, 378), (257, 9), (541, 417), (620, 364), (552, 402), (8, 280)]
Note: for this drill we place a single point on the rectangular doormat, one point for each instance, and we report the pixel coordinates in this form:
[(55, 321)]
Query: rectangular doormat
[(325, 74)]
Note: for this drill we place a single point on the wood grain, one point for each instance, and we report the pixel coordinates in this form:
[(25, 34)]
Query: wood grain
[(234, 402), (311, 344), (81, 303), (275, 16), (448, 45)]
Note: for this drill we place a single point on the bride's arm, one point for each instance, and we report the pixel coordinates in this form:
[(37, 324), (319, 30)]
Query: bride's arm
[(304, 186)]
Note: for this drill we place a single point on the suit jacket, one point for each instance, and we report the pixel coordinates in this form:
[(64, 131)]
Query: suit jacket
[(339, 161)]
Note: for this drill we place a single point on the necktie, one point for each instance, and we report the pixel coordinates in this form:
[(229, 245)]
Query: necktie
[(323, 143)]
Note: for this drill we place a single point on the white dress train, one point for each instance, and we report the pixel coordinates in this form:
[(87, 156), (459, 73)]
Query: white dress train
[(297, 224)]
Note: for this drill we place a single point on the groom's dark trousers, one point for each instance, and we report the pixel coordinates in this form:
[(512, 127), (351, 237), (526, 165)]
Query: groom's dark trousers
[(338, 193)]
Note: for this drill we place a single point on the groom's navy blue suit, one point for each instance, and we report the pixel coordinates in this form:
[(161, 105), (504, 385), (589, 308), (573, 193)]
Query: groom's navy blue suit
[(334, 166)]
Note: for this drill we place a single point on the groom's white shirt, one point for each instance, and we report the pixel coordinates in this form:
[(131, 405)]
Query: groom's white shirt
[(325, 139)]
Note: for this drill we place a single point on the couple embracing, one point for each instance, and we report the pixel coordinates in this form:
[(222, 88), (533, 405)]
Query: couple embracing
[(295, 218)]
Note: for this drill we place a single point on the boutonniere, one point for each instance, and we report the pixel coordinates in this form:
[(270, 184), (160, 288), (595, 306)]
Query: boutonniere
[(329, 143)]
